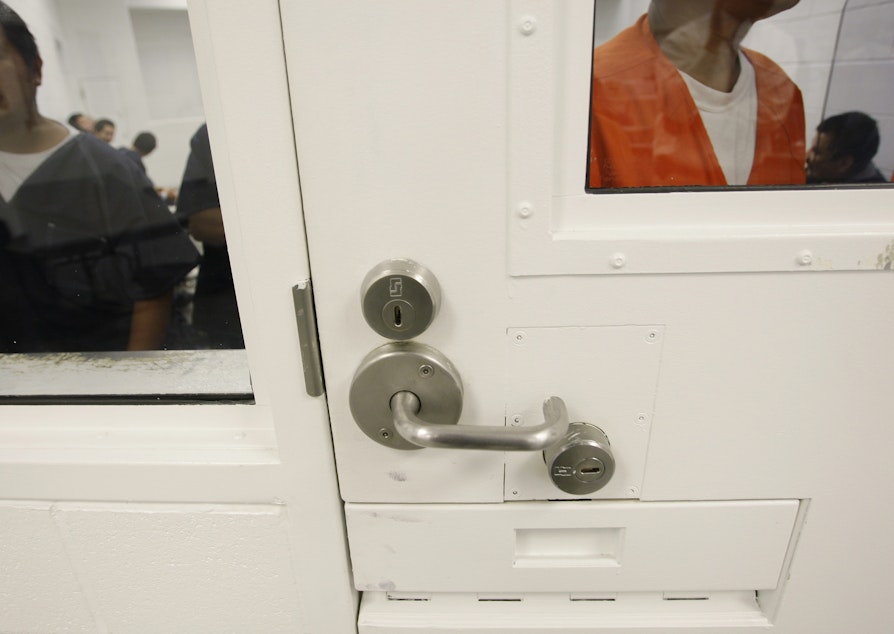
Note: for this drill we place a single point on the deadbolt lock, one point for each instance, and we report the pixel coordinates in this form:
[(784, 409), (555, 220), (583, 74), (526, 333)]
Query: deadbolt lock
[(400, 298), (582, 462)]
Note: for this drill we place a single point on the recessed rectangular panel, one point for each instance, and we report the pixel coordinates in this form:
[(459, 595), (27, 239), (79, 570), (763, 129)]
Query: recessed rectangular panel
[(567, 547), (607, 376), (576, 547)]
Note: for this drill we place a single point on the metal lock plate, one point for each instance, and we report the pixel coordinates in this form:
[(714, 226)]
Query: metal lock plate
[(582, 462), (400, 298), (404, 367)]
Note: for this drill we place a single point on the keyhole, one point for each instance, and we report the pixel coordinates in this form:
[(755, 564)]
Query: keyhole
[(589, 470), (398, 318)]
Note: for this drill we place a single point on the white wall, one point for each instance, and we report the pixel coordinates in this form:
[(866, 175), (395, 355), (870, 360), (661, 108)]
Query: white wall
[(56, 97), (863, 76), (110, 567), (173, 101)]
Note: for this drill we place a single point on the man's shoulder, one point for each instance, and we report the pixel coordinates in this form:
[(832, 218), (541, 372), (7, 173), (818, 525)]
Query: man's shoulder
[(766, 68), (88, 151), (628, 51)]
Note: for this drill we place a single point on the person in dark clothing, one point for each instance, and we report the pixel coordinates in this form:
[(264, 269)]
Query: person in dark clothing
[(215, 313), (843, 149), (143, 145), (89, 253)]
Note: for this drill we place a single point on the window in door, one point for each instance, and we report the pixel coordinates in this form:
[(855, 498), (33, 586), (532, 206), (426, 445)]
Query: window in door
[(115, 276), (715, 94)]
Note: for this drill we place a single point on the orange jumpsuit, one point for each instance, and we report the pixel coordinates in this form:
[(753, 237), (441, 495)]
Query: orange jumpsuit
[(645, 129)]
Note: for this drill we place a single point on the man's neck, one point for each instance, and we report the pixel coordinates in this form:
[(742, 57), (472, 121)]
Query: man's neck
[(701, 41), (37, 135)]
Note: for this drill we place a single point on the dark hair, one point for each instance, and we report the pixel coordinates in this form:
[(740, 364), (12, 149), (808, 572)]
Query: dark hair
[(101, 123), (73, 120), (144, 143), (852, 134), (20, 37)]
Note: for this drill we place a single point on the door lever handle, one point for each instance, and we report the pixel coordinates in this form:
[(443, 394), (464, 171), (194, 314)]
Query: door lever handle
[(406, 395), (405, 407)]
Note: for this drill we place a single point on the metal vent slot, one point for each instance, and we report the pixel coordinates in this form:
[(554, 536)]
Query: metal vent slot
[(686, 596), (408, 596)]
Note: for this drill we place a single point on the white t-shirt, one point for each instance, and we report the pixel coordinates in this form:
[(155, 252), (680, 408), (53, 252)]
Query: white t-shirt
[(731, 121), (16, 168)]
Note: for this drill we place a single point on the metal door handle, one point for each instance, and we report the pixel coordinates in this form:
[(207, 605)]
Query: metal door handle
[(405, 406), (406, 395)]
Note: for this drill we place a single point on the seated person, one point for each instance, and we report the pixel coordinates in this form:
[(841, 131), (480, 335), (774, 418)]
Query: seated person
[(843, 149), (89, 254), (676, 101)]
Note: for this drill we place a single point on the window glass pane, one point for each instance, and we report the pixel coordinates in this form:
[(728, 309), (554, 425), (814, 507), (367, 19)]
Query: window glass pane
[(111, 233), (741, 92)]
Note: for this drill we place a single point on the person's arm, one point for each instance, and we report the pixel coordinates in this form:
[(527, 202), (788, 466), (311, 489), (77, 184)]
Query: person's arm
[(149, 322), (207, 226)]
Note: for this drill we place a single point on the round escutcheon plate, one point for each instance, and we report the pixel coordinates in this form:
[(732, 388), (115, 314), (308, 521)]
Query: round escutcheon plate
[(404, 367)]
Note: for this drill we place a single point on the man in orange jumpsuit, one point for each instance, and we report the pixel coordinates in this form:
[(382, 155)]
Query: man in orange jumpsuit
[(677, 102)]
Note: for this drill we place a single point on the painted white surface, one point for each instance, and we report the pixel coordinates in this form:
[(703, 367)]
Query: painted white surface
[(770, 385), (643, 613), (382, 155), (195, 517), (39, 589), (81, 567), (574, 547), (607, 378), (425, 134)]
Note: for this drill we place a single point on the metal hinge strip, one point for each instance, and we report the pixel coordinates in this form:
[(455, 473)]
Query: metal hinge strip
[(308, 337)]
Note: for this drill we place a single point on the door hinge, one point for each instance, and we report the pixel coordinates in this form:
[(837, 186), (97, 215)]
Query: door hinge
[(308, 337)]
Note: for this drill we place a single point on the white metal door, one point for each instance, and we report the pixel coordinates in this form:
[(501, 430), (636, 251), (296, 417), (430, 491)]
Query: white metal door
[(728, 343)]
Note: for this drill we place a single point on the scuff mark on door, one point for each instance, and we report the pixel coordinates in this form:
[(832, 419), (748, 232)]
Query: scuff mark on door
[(886, 258)]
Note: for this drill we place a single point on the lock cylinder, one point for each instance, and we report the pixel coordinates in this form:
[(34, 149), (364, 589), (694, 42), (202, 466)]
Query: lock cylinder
[(582, 462), (400, 298)]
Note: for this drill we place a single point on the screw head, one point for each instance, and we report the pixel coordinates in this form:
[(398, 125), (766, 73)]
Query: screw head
[(618, 260), (805, 257), (426, 371), (384, 434), (527, 25)]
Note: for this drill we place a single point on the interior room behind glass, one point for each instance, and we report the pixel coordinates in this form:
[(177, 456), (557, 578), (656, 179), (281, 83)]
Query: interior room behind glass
[(837, 53), (75, 285)]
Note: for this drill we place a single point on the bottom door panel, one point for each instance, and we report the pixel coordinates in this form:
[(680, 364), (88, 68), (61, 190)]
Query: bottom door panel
[(632, 613), (588, 549)]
